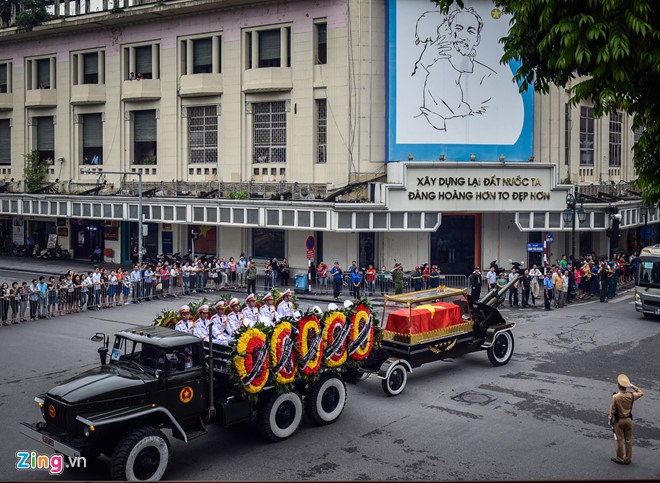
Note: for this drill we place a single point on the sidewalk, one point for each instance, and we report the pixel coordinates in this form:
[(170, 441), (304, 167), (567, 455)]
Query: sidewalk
[(52, 266)]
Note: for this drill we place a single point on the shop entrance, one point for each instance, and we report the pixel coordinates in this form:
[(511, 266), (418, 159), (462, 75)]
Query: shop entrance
[(85, 237), (452, 245), (367, 253)]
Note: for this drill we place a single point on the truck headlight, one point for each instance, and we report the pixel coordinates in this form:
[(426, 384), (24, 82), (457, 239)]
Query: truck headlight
[(638, 298)]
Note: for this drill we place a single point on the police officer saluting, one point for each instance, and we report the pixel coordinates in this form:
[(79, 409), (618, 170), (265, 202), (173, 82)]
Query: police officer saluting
[(620, 418), (185, 324)]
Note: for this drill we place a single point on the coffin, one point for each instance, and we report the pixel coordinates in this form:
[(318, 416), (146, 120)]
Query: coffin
[(425, 322)]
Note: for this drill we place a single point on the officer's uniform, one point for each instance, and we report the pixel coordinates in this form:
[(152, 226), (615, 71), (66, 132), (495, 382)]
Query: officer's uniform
[(269, 312), (219, 332), (235, 321), (621, 406), (184, 326), (250, 316), (285, 309), (201, 329)]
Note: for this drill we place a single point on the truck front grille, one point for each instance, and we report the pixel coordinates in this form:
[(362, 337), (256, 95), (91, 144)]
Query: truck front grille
[(55, 414)]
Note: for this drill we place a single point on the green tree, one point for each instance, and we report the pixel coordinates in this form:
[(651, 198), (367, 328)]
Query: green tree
[(31, 13), (604, 51), (35, 172)]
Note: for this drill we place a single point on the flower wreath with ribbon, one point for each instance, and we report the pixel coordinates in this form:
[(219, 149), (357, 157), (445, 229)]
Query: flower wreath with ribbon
[(282, 353), (310, 344), (335, 336), (251, 361)]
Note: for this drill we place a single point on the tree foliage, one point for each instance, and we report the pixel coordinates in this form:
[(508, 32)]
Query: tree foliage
[(603, 51), (31, 13), (35, 171)]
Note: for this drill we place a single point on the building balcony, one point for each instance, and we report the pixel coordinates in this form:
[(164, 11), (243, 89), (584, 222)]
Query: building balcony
[(41, 98), (88, 94), (140, 90), (268, 79), (6, 101), (197, 85)]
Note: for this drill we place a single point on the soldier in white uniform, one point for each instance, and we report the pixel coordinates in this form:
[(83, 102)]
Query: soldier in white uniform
[(201, 329), (267, 310), (250, 312), (185, 324), (235, 317), (219, 330), (285, 308)]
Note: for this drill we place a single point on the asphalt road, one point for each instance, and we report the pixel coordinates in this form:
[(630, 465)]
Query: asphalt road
[(542, 416)]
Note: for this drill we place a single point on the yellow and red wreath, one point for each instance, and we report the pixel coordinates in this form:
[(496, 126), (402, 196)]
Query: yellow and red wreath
[(359, 322), (309, 329), (282, 347), (333, 326), (249, 347)]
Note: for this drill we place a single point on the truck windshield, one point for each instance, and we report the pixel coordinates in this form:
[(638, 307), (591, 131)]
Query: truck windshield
[(143, 356), (649, 272)]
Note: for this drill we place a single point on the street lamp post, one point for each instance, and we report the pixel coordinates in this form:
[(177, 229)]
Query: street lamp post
[(129, 173), (613, 230), (574, 205)]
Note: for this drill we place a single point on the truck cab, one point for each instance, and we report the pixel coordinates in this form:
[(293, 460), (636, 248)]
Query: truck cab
[(155, 379)]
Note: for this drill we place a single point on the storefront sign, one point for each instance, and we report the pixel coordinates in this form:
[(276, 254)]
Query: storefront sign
[(111, 233), (482, 188), (535, 247)]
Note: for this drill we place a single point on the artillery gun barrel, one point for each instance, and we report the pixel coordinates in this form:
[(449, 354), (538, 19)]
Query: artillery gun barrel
[(495, 297)]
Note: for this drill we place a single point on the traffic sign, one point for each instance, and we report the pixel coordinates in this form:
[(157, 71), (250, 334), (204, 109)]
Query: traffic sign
[(309, 244), (310, 254), (535, 247), (549, 237)]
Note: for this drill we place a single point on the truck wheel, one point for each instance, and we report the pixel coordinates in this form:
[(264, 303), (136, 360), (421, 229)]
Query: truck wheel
[(326, 400), (502, 349), (141, 455), (280, 416), (396, 380)]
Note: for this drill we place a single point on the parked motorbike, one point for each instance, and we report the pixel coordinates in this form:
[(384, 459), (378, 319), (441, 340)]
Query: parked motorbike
[(517, 265)]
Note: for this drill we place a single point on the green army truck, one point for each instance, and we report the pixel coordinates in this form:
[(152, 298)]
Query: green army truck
[(160, 379)]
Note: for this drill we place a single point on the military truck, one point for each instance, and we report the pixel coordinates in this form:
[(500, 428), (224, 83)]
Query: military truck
[(161, 379)]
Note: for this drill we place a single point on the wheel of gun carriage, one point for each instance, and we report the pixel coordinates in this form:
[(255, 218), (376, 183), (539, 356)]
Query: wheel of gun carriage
[(141, 455), (279, 415), (502, 349), (395, 381), (326, 399)]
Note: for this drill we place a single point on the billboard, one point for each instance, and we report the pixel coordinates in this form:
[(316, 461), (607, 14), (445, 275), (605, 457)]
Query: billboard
[(448, 93)]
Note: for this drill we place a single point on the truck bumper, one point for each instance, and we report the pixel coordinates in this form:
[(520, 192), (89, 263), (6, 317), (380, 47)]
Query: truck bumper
[(68, 446)]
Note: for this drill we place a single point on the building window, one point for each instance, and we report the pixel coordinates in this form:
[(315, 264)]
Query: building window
[(5, 142), (201, 55), (269, 48), (586, 136), (45, 137), (144, 137), (41, 73), (203, 134), (269, 132), (92, 138), (142, 62), (616, 125), (265, 48), (87, 68), (321, 43), (268, 243), (5, 77), (321, 131), (567, 134)]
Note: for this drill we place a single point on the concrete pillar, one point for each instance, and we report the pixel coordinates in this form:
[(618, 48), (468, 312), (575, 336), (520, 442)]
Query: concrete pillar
[(57, 8), (80, 80), (189, 56), (53, 84), (284, 51), (34, 83), (154, 62), (216, 54), (87, 6), (10, 68), (101, 67), (67, 8), (105, 5), (255, 49), (131, 60)]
